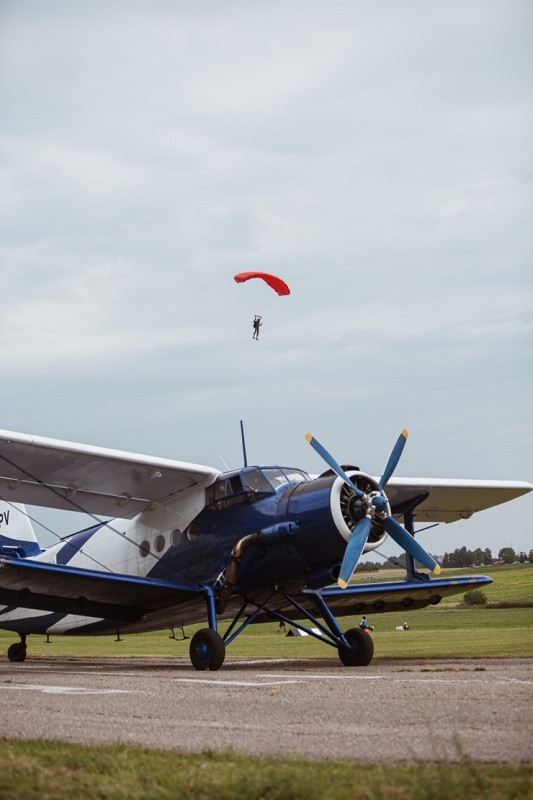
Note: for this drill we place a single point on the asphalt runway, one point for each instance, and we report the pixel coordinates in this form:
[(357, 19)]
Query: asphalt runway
[(399, 711)]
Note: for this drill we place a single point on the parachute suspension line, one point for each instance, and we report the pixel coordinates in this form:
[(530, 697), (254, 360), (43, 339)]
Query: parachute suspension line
[(77, 506)]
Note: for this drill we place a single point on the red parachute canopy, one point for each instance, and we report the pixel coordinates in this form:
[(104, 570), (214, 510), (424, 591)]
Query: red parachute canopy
[(273, 281)]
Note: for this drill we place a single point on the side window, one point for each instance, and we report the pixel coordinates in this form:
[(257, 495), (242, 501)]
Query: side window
[(217, 492), (225, 493)]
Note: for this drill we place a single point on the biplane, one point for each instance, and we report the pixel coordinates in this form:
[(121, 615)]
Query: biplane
[(174, 543)]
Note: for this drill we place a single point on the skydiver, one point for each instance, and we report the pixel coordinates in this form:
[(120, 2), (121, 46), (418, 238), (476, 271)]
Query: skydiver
[(257, 324), (365, 626)]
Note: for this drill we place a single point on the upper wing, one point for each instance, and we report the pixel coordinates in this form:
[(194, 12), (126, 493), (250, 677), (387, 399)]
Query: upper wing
[(48, 472), (450, 500)]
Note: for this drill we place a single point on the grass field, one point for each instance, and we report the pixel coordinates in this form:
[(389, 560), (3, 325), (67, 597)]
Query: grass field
[(512, 583), (55, 771), (58, 771), (434, 633)]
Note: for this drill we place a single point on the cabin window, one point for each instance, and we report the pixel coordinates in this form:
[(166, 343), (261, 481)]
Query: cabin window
[(192, 531), (175, 537), (144, 548)]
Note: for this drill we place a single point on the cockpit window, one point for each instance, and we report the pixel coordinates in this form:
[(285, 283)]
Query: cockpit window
[(227, 491), (280, 476), (276, 477), (255, 481), (250, 484)]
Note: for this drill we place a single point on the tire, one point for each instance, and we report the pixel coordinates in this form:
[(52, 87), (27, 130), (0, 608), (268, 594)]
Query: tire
[(16, 652), (361, 649), (207, 650)]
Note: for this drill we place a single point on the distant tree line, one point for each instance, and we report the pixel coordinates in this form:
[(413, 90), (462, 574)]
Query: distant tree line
[(461, 557)]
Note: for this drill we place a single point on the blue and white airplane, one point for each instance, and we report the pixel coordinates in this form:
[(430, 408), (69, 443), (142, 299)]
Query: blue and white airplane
[(176, 544)]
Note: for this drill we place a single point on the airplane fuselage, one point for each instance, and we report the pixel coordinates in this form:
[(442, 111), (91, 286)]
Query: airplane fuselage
[(301, 526)]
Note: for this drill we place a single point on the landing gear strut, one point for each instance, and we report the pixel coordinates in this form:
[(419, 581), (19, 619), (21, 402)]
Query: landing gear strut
[(207, 649)]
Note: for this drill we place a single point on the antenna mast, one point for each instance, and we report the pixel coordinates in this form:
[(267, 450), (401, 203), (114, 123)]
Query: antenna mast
[(243, 445)]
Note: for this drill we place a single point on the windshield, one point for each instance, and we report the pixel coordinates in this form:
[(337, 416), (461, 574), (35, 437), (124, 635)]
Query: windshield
[(280, 476)]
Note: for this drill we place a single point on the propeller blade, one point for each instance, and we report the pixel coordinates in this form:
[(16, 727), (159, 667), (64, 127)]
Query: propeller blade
[(409, 544), (332, 463), (353, 551), (394, 457)]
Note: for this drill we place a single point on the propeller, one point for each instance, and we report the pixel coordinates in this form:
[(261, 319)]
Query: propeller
[(376, 508)]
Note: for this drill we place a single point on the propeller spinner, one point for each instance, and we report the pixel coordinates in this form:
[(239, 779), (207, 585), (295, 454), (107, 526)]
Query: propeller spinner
[(376, 507)]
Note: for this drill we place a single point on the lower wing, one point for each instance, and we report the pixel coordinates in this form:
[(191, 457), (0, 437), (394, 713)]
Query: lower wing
[(382, 597), (395, 595), (65, 590), (125, 599)]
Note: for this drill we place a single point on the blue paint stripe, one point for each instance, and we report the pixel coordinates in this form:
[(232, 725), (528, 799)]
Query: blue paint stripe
[(75, 543)]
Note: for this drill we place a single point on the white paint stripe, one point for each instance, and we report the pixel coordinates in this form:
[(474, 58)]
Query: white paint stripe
[(424, 678), (62, 689), (91, 670), (258, 662), (334, 677), (223, 682)]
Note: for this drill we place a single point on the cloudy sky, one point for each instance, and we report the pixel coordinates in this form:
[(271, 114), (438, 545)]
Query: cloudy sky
[(375, 155)]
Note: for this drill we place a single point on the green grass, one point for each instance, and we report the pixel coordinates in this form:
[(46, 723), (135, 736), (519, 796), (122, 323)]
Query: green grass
[(45, 770), (443, 631), (440, 632), (512, 583)]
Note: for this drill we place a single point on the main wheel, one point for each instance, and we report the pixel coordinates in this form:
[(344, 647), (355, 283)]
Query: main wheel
[(17, 651), (207, 650), (361, 649)]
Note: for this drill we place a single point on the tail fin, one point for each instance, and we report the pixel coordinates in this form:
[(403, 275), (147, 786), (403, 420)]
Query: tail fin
[(17, 537)]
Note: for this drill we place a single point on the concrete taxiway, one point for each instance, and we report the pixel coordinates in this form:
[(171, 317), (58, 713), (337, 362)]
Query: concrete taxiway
[(392, 711)]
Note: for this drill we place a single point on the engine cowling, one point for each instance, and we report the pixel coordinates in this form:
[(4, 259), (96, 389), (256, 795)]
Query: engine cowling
[(347, 508)]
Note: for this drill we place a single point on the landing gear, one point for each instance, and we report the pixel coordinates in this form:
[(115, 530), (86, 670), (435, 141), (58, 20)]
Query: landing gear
[(207, 650), (17, 650), (355, 647), (361, 648)]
